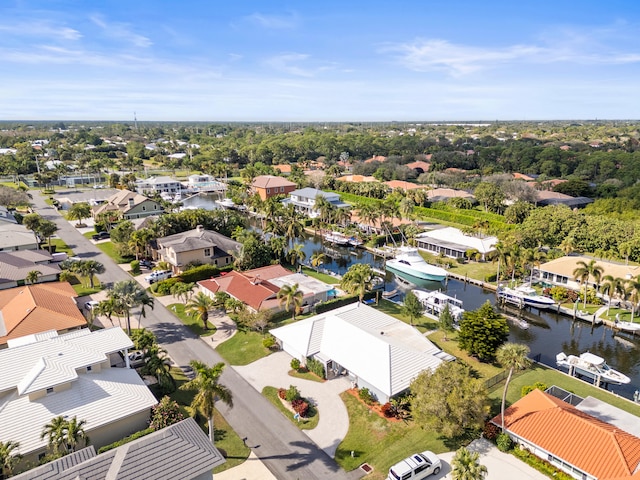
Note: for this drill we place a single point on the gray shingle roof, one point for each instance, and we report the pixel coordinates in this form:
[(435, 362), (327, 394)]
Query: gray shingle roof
[(181, 451), (197, 239)]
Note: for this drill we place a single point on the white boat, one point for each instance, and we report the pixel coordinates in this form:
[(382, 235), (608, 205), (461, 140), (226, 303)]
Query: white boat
[(408, 260), (336, 238), (434, 302), (519, 322), (225, 203), (177, 197), (391, 294), (524, 296), (591, 366), (355, 242), (166, 196), (626, 326)]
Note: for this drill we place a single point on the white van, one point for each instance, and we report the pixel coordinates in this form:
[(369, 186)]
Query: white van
[(157, 276)]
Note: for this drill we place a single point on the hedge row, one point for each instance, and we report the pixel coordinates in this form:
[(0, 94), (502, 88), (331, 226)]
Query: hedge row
[(125, 440)]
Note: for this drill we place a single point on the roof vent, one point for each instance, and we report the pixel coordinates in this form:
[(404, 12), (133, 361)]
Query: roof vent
[(381, 333)]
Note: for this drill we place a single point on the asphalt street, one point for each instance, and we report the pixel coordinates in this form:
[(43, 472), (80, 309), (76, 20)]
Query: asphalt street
[(285, 450)]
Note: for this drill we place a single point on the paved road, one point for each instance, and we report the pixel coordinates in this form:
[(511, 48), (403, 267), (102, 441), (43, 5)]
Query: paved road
[(284, 449)]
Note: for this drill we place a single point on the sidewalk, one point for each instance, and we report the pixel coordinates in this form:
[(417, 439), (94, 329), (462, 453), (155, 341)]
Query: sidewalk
[(251, 469)]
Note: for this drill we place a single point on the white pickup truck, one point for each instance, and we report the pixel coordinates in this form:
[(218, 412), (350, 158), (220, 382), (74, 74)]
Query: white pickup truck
[(157, 276)]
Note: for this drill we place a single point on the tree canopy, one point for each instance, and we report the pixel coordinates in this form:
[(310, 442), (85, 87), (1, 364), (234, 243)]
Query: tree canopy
[(482, 331)]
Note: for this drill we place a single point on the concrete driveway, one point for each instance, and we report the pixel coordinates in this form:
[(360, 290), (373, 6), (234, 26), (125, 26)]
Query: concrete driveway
[(334, 419)]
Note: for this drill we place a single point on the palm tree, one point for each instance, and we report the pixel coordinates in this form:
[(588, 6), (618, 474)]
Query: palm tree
[(8, 459), (89, 269), (182, 291), (292, 298), (584, 271), (633, 293), (199, 307), (139, 240), (612, 286), (127, 295), (54, 431), (157, 365), (79, 211), (514, 357), (358, 279), (33, 276), (466, 466), (296, 255), (317, 259), (207, 387), (74, 433), (47, 229), (568, 245), (143, 339)]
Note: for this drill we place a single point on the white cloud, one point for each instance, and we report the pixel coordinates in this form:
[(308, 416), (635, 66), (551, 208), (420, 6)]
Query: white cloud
[(40, 29), (459, 60), (121, 31), (276, 22), (295, 64)]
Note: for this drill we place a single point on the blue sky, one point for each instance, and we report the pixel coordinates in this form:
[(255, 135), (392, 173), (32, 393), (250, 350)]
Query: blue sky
[(319, 61)]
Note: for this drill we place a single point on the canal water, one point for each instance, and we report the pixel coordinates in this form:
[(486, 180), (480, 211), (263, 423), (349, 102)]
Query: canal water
[(548, 333)]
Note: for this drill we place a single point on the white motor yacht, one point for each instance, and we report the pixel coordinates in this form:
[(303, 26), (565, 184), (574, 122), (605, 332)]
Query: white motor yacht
[(591, 366), (408, 260), (524, 296), (435, 302)]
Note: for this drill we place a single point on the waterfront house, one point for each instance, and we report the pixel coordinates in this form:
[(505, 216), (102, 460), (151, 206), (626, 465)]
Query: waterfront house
[(197, 246), (453, 243), (375, 350), (130, 204), (304, 200), (267, 186), (153, 185)]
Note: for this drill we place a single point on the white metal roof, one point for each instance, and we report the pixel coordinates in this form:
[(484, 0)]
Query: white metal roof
[(454, 235), (100, 398), (52, 359), (376, 347), (308, 285)]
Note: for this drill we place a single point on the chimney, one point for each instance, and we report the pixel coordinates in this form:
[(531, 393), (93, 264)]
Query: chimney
[(200, 228), (131, 203)]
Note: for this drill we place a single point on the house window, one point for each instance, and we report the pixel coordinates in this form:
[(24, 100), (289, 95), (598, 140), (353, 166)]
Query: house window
[(49, 390), (282, 189), (268, 191), (215, 262), (155, 207), (207, 252), (89, 368), (226, 260)]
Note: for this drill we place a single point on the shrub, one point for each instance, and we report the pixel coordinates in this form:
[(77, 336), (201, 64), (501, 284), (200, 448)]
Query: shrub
[(300, 407), (165, 413), (202, 272), (135, 267), (295, 363), (366, 396), (163, 287), (269, 341), (125, 440), (540, 465), (292, 394), (504, 442), (490, 431), (490, 278), (388, 410), (316, 367), (282, 393), (528, 388)]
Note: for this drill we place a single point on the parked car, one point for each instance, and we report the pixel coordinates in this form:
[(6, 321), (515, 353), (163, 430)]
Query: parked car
[(158, 275), (101, 236), (90, 305), (188, 371), (136, 359), (416, 467), (146, 263)]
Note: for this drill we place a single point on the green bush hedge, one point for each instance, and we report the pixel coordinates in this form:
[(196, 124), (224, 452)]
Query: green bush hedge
[(202, 272), (341, 302), (135, 267), (163, 287), (316, 367), (126, 440), (540, 465)]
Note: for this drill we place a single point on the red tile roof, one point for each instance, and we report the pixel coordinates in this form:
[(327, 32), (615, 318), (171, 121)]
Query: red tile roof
[(243, 288), (284, 168), (589, 444), (271, 181), (376, 158), (424, 166), (38, 308), (404, 185)]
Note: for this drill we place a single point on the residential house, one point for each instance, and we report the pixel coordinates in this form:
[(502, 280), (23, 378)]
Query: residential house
[(6, 216), (560, 271), (258, 288), (196, 246), (374, 349), (130, 204), (204, 183), (267, 186), (15, 266), (179, 451), (549, 197), (401, 184), (304, 200), (419, 166), (284, 169), (38, 308), (376, 158), (574, 441), (453, 243), (444, 194), (14, 237), (78, 374), (357, 179), (153, 185)]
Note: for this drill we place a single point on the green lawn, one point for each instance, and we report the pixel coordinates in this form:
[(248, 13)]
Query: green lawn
[(88, 235), (381, 442), (424, 324), (271, 394), (323, 277), (109, 249), (227, 441), (483, 370), (243, 348), (623, 315), (61, 246), (306, 376), (475, 270), (194, 324), (83, 290)]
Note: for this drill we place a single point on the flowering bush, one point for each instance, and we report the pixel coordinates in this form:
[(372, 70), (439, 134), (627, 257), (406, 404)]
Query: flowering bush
[(388, 410), (300, 407), (490, 431), (165, 413), (282, 393)]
